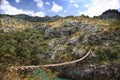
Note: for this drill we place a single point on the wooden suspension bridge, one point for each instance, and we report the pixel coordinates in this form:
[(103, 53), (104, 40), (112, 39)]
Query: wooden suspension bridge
[(48, 65)]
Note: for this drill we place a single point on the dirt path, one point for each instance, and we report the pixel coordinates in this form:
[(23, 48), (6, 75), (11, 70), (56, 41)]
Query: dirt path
[(48, 65)]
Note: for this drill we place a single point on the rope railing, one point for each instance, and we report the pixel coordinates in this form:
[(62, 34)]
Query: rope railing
[(48, 65)]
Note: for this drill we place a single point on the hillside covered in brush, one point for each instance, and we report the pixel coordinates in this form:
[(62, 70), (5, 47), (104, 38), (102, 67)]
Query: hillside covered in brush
[(57, 40)]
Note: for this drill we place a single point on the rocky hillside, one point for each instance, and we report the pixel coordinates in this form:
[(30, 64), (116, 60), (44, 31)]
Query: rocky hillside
[(63, 40), (9, 24)]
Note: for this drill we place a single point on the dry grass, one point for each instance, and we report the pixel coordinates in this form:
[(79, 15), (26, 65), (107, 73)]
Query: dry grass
[(56, 23), (13, 24)]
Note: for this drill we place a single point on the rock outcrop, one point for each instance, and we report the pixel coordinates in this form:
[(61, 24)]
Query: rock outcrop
[(113, 14)]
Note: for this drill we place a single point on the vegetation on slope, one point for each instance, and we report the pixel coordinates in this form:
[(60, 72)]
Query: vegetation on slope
[(58, 41)]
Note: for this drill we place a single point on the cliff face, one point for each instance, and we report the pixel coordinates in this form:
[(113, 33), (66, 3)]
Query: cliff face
[(64, 40), (91, 72)]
